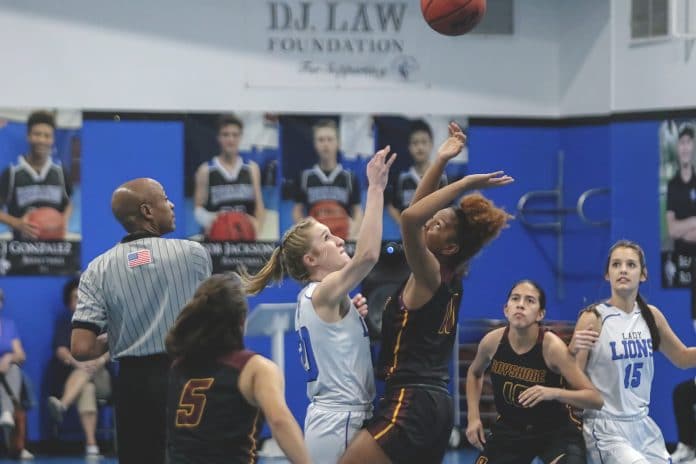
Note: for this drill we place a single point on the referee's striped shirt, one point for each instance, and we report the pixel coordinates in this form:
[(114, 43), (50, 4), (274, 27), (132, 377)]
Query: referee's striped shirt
[(135, 291)]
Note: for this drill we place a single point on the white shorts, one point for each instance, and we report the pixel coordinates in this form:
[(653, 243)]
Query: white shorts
[(613, 441), (327, 433)]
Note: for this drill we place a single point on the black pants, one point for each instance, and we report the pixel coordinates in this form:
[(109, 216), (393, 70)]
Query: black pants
[(514, 445), (684, 399), (141, 406)]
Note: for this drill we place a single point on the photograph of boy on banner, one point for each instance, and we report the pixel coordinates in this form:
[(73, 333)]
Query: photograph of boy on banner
[(320, 178), (39, 192), (678, 206), (416, 139), (231, 172)]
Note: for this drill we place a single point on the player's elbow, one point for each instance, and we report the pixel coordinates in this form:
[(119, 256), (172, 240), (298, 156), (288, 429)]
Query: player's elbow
[(408, 216), (596, 400)]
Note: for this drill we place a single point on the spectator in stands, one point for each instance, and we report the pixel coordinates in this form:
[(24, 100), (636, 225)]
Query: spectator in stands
[(11, 382), (82, 382)]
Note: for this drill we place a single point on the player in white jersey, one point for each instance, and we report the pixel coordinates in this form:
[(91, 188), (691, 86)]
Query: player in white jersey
[(340, 377), (614, 342), (334, 346)]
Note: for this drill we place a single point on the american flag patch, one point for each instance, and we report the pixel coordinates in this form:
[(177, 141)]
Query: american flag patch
[(139, 257)]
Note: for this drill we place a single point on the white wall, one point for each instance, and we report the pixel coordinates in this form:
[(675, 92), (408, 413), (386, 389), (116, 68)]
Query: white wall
[(585, 57), (162, 55), (653, 75), (566, 58)]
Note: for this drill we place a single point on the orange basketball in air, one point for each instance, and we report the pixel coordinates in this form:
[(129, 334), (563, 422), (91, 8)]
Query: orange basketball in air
[(232, 226), (332, 215), (453, 17), (49, 221)]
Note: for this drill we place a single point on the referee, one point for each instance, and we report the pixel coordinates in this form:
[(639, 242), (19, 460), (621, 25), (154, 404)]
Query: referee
[(134, 292)]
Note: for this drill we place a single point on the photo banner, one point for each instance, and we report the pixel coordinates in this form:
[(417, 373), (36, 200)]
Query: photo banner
[(677, 203), (232, 187), (40, 192)]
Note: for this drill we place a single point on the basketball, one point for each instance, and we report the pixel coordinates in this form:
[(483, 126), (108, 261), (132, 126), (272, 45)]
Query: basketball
[(232, 226), (49, 221), (453, 17), (332, 215)]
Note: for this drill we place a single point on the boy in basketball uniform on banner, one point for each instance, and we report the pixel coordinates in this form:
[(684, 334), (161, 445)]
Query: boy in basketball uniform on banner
[(420, 145), (35, 189), (328, 192), (228, 200)]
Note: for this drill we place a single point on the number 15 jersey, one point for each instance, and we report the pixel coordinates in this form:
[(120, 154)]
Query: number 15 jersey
[(620, 364)]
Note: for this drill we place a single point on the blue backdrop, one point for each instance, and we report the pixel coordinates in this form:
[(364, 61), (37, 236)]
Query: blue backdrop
[(622, 156)]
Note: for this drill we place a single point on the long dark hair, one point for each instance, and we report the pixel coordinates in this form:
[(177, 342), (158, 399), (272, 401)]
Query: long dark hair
[(211, 324), (642, 304)]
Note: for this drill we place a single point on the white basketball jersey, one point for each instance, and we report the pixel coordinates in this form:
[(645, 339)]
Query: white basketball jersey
[(336, 356), (621, 362)]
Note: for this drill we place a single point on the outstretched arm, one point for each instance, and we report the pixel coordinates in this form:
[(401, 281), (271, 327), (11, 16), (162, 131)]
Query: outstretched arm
[(423, 264), (263, 386), (681, 356), (259, 208), (474, 386), (334, 287)]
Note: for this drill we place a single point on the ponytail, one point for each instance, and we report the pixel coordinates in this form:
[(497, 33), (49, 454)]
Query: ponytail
[(649, 317), (271, 272), (288, 258)]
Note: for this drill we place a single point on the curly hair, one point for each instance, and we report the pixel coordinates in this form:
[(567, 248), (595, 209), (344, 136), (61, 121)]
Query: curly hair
[(478, 222)]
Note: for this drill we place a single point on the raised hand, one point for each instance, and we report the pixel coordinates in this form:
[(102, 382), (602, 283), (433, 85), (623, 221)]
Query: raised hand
[(378, 168), (482, 181), (454, 143)]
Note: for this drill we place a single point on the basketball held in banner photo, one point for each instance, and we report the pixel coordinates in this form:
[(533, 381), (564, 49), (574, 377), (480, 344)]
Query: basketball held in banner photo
[(332, 215), (453, 17), (232, 226), (49, 221)]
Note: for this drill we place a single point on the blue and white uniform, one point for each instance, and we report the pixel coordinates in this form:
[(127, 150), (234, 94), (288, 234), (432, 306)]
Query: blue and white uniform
[(621, 366), (340, 378)]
